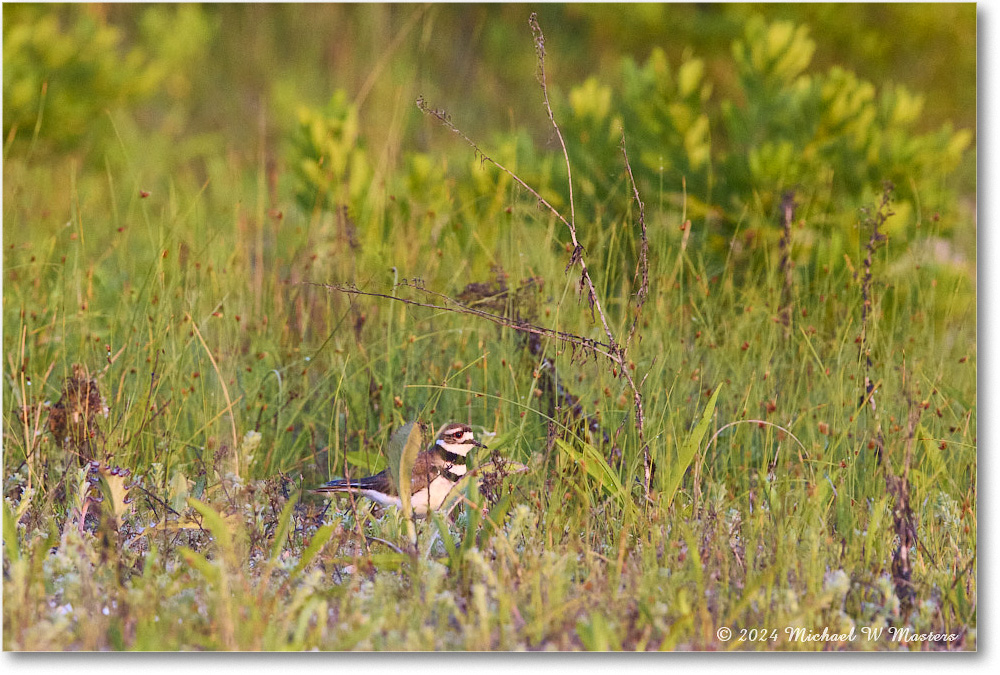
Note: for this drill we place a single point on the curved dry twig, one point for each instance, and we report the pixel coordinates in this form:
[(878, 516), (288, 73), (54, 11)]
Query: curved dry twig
[(587, 344)]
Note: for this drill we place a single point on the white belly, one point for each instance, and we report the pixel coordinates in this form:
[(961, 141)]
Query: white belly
[(435, 494), (381, 498)]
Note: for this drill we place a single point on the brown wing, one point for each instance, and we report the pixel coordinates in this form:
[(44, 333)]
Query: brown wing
[(426, 468)]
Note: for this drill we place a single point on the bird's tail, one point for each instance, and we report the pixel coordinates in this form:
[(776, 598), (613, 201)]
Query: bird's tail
[(380, 482), (340, 485)]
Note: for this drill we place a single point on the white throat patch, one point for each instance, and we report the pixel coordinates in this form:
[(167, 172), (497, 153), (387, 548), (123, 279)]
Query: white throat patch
[(455, 448)]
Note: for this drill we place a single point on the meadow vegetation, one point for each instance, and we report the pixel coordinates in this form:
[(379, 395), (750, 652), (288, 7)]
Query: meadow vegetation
[(187, 215)]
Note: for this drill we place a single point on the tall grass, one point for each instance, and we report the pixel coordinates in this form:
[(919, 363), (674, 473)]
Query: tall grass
[(197, 297)]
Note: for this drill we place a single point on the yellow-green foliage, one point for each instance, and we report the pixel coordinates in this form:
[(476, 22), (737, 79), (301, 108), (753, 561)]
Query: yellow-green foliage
[(64, 70), (329, 158), (831, 137)]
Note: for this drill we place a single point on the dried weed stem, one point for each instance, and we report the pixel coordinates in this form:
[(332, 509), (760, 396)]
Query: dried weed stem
[(613, 350)]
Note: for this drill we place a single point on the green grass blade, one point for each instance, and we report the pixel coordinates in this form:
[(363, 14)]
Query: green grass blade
[(10, 534), (688, 450), (199, 562), (319, 540), (597, 468), (214, 523), (446, 538), (284, 522)]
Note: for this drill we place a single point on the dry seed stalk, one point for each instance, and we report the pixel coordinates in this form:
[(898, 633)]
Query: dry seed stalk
[(614, 351), (876, 238)]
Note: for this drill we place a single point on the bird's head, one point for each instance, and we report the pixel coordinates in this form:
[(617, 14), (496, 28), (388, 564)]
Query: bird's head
[(458, 439)]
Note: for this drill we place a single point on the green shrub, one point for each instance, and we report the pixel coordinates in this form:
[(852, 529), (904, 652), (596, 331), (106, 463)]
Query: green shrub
[(831, 137), (328, 157), (65, 69)]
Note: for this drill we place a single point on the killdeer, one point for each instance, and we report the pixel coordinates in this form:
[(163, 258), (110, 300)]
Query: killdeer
[(435, 471)]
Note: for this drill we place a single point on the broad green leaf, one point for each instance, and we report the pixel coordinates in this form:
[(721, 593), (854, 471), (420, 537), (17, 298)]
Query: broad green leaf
[(404, 446), (475, 516), (179, 491), (689, 449), (114, 491), (366, 461), (496, 516)]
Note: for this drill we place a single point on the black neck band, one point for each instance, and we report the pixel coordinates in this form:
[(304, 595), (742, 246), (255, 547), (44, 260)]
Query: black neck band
[(452, 458)]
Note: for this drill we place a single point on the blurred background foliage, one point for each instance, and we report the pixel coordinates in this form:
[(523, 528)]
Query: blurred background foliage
[(238, 70), (740, 102), (726, 108)]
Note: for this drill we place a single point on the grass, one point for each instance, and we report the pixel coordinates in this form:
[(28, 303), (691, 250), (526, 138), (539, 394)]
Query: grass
[(212, 335), (233, 384)]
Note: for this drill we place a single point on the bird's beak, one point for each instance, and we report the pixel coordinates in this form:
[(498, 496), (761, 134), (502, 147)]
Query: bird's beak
[(478, 444)]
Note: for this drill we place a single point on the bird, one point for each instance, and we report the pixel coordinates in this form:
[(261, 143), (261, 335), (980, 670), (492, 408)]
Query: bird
[(436, 470)]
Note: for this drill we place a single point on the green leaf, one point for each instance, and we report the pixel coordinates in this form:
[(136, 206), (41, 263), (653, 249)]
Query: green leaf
[(446, 538), (199, 562), (114, 491), (213, 522), (594, 464), (496, 516), (404, 446), (10, 534), (284, 521), (689, 449), (596, 633), (389, 561), (939, 470), (319, 540), (366, 461), (475, 516)]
